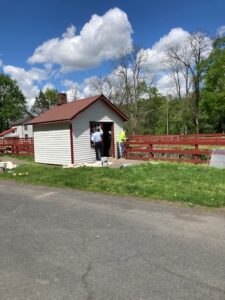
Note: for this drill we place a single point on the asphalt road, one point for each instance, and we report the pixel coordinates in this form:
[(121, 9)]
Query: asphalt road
[(64, 244)]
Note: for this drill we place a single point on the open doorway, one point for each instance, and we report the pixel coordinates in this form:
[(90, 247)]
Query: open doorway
[(108, 138)]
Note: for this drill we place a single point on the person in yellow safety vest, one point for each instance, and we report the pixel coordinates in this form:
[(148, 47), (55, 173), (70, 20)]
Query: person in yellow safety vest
[(122, 140)]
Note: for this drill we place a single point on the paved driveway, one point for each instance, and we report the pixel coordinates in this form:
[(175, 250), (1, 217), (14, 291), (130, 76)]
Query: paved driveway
[(64, 244)]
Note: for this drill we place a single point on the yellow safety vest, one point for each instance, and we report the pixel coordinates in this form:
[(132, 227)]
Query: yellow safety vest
[(122, 137)]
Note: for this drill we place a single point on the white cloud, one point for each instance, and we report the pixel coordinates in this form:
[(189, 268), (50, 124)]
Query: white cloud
[(221, 31), (27, 80), (166, 86), (87, 89), (48, 86), (154, 57), (70, 84), (100, 39), (1, 63), (72, 89)]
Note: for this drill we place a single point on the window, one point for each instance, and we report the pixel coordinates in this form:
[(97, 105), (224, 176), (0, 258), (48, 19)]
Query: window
[(26, 136), (94, 126), (25, 127)]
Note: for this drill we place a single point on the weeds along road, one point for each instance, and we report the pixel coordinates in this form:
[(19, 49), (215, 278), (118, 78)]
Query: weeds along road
[(64, 244)]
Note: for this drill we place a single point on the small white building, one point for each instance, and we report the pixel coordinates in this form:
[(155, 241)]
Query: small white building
[(62, 134), (19, 129)]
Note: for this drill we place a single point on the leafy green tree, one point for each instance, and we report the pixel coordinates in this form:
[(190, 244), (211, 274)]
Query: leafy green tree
[(44, 101), (213, 97), (152, 113), (12, 102)]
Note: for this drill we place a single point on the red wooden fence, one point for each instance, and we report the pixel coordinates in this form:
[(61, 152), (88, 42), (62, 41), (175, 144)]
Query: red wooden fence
[(17, 146), (195, 148)]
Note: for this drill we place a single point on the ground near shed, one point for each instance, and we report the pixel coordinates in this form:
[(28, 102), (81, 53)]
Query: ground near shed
[(116, 163), (16, 160)]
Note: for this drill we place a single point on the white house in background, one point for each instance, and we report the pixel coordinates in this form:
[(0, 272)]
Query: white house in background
[(62, 134), (19, 129), (8, 133)]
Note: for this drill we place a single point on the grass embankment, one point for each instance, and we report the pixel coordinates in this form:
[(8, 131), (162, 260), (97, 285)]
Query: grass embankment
[(199, 185)]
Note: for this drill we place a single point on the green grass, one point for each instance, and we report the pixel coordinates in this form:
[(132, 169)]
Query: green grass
[(199, 185)]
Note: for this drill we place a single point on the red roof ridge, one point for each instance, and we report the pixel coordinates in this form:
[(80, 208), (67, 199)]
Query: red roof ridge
[(7, 131)]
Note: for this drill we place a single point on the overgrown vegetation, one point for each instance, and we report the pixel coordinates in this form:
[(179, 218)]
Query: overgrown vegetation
[(198, 185)]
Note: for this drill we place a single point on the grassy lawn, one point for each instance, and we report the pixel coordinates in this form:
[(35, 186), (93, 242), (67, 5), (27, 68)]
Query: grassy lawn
[(199, 185)]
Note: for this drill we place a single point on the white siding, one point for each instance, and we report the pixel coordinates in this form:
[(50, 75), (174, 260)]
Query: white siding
[(52, 144), (98, 112), (29, 131), (20, 131)]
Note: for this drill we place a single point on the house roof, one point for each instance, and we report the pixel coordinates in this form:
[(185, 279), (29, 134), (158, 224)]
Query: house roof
[(3, 133), (66, 112), (22, 121)]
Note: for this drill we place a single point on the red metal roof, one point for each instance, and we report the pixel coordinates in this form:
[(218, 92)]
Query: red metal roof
[(68, 111), (3, 133)]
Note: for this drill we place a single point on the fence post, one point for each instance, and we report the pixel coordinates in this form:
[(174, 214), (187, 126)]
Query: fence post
[(196, 155), (150, 154)]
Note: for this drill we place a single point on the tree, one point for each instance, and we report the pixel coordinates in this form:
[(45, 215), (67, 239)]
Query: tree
[(131, 84), (153, 113), (12, 102), (125, 86), (213, 96), (178, 71), (104, 85), (191, 56), (44, 101)]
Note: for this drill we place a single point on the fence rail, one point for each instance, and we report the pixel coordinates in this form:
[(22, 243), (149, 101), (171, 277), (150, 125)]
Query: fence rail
[(194, 148), (17, 146)]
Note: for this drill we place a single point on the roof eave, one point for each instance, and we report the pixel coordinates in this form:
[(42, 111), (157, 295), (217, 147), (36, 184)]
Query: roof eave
[(51, 122)]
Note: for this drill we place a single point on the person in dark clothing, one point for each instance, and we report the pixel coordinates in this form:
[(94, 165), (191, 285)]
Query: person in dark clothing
[(106, 143)]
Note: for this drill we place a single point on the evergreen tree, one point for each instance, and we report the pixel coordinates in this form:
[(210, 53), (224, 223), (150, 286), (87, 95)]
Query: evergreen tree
[(44, 101)]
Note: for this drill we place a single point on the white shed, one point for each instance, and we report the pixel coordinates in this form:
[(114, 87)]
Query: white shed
[(62, 134)]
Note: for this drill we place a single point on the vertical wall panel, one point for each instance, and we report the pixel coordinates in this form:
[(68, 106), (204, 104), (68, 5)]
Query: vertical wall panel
[(52, 144)]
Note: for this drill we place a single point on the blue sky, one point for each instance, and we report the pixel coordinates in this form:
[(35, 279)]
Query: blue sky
[(42, 44)]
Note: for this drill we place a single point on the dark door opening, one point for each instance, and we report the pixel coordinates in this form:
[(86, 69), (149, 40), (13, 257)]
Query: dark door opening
[(108, 138)]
